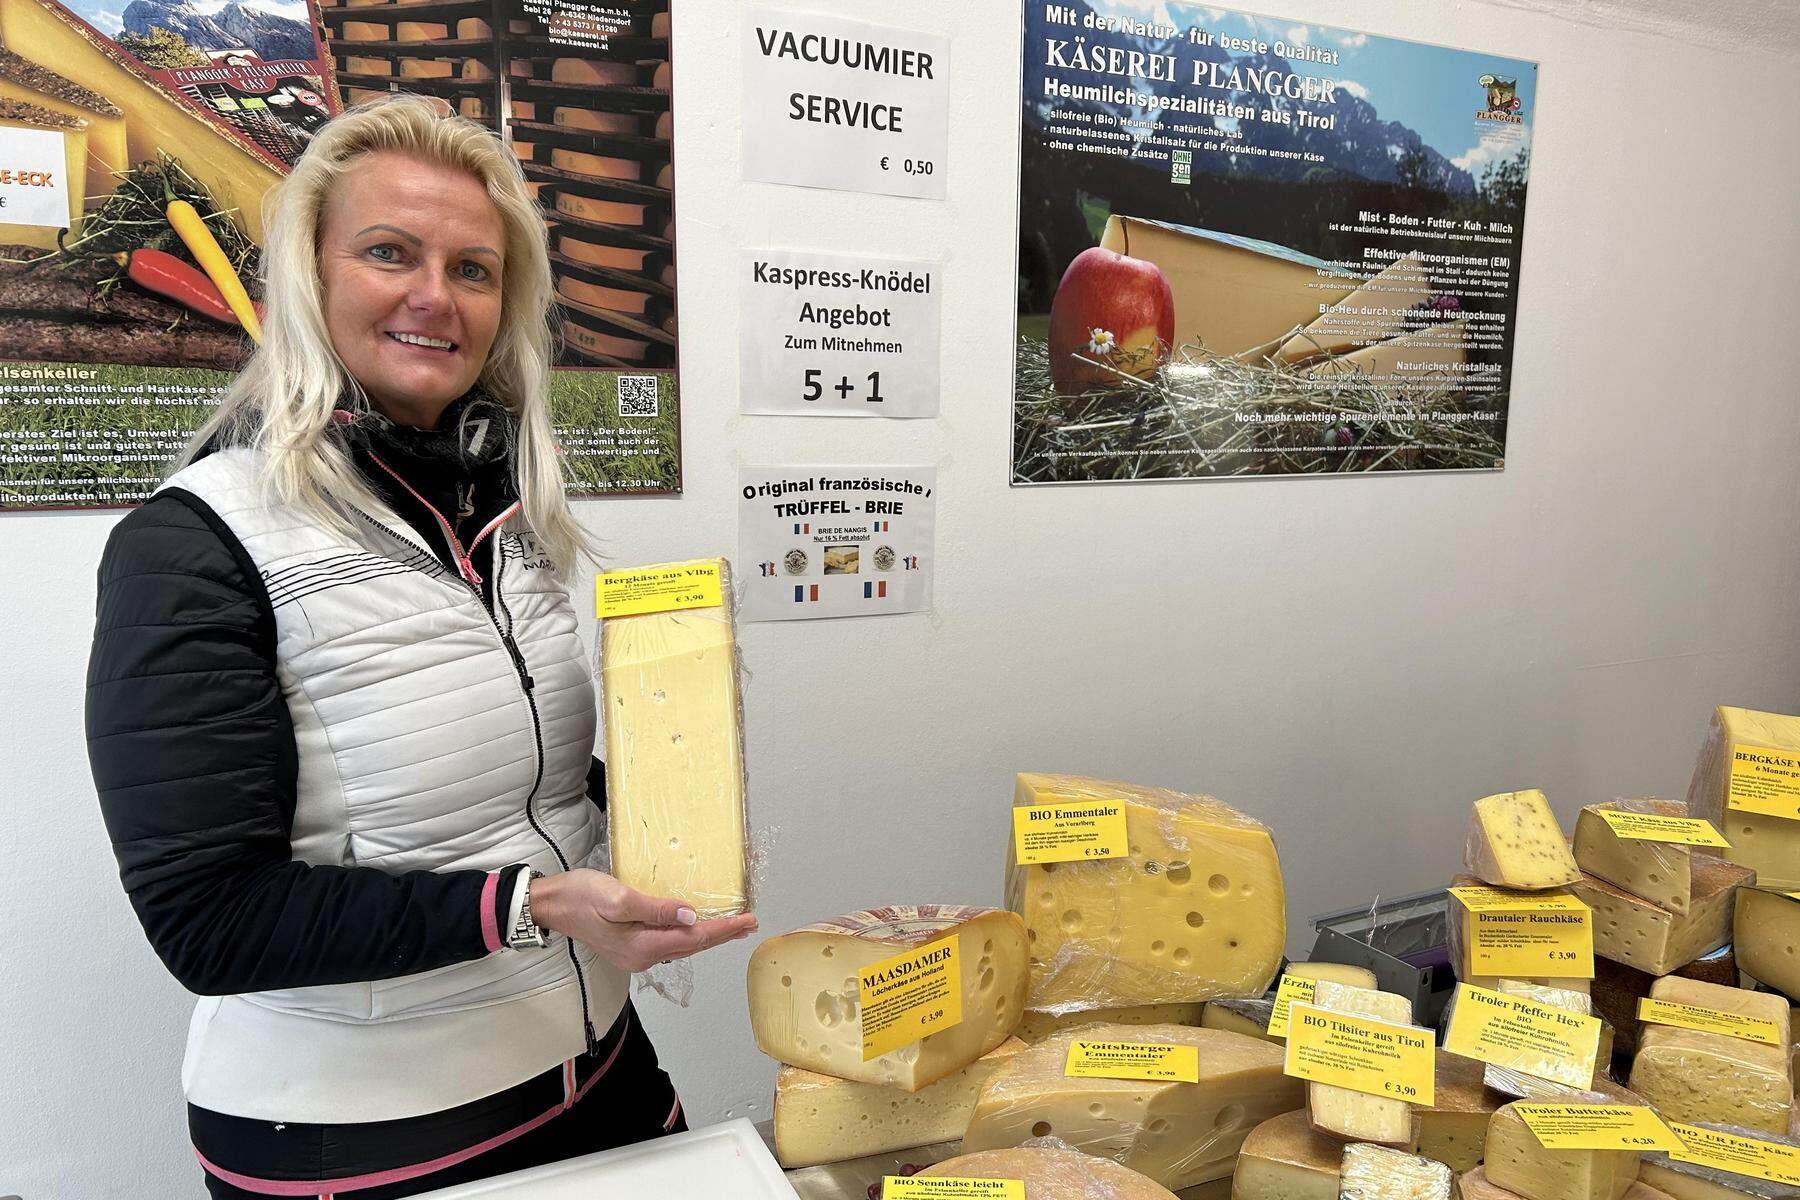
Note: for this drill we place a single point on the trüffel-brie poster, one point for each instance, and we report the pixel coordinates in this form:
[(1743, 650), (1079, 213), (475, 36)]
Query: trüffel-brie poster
[(1254, 246)]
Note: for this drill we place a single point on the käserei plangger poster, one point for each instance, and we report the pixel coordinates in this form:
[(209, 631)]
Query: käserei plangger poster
[(1254, 246)]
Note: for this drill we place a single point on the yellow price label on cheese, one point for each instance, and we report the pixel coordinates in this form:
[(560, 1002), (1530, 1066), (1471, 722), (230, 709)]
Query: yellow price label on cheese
[(947, 1187), (1524, 1035), (1377, 1058), (666, 588), (909, 996), (1652, 827), (1521, 935), (1132, 1060), (1069, 831), (1710, 1020), (1596, 1127), (1291, 988), (1765, 780), (1738, 1154)]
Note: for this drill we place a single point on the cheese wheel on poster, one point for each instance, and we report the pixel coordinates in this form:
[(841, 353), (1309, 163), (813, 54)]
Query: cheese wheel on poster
[(428, 68), (521, 68), (592, 73), (475, 68), (599, 166), (421, 31), (667, 275), (613, 299), (358, 65), (609, 212), (607, 345), (473, 107), (1285, 1159), (659, 25), (363, 31), (1049, 1173), (358, 95), (522, 110), (663, 77), (665, 176), (595, 120), (524, 151), (665, 125), (470, 28), (595, 254), (805, 1008)]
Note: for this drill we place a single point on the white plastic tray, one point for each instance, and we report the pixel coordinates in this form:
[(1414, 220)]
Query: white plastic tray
[(721, 1162)]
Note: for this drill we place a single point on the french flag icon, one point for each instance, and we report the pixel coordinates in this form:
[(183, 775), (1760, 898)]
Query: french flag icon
[(805, 593), (880, 526), (803, 528), (873, 590)]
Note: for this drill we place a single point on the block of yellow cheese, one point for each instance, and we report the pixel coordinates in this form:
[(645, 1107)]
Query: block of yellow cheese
[(1194, 912), (1178, 1134), (1768, 844), (675, 753), (1515, 842), (1691, 1181), (804, 1001), (1571, 1000), (1660, 872), (1698, 1077), (68, 149), (1284, 1158), (1358, 1116), (821, 1118), (1039, 1025), (1052, 1173), (1766, 933), (1344, 973), (1632, 930), (1517, 1161), (1248, 1017), (1453, 1129), (1379, 1173)]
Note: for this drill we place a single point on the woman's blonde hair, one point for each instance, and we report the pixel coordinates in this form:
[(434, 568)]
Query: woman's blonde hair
[(282, 401)]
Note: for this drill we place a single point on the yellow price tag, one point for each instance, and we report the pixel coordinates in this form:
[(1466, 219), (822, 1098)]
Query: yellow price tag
[(1710, 1020), (665, 588), (1521, 935), (1651, 827), (1291, 988), (1362, 1054), (909, 996), (1737, 1154), (1765, 780), (1510, 1031), (1132, 1060), (1596, 1127), (946, 1187), (1069, 831)]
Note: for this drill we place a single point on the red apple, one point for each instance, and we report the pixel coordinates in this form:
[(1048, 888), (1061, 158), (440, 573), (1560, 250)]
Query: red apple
[(1112, 309)]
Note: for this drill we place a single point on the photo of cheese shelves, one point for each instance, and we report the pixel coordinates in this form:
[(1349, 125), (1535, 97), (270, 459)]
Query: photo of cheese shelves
[(591, 125)]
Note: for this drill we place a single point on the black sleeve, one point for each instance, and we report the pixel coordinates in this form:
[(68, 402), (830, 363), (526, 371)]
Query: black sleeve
[(194, 759)]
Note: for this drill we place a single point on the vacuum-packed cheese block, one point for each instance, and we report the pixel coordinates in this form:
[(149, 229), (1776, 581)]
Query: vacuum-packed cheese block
[(1766, 935), (1358, 1116), (1343, 973), (1617, 988), (1515, 842), (593, 73), (1573, 1001), (1691, 1181), (1697, 1077), (1517, 1161), (1050, 1173), (69, 162), (27, 82), (1492, 982), (1632, 930), (675, 754), (805, 1007), (1378, 1173), (612, 212), (1178, 1134), (595, 120), (619, 258), (1039, 1025), (1284, 1158), (1475, 1185), (1660, 872), (1195, 911), (1453, 1129), (1248, 1017), (600, 166), (822, 1119), (1767, 843), (598, 295)]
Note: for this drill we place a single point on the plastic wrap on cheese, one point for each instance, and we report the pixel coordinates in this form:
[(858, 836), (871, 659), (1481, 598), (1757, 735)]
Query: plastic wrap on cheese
[(675, 779), (1673, 1176), (1766, 843), (1178, 1134), (1660, 872), (1501, 1078), (1194, 912), (1378, 1173), (1053, 1171), (1697, 1077)]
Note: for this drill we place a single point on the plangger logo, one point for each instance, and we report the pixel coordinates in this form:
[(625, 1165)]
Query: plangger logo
[(1503, 103)]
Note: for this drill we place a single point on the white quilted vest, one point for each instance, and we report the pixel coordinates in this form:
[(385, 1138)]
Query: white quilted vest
[(420, 749)]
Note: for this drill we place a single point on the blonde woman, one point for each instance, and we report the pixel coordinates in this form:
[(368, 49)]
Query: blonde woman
[(341, 722)]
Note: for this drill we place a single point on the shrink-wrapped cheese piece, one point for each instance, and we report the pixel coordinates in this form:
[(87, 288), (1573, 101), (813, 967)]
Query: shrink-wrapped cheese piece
[(1351, 1115), (1039, 1025), (1660, 872), (1697, 1077), (1344, 973), (1691, 1181), (1632, 930), (1378, 1173), (1766, 842), (805, 1007), (1178, 1134), (1284, 1158), (1051, 1173), (675, 757), (1517, 1161), (1193, 912), (1515, 842), (1572, 1001)]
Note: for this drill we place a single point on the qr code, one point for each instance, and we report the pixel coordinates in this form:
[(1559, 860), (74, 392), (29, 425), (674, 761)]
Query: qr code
[(637, 395)]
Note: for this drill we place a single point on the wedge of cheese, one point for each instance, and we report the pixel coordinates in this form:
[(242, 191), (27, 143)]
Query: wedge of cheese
[(1453, 1130), (1660, 872), (1284, 1159), (1049, 1173), (1378, 1173), (1514, 842), (359, 65), (611, 212), (823, 1119), (804, 1001), (65, 141), (1178, 1134), (1248, 1017), (675, 754), (1475, 1185), (1634, 931), (1767, 938), (1696, 1077), (665, 125), (1768, 844), (1195, 911), (1357, 1116), (1517, 1161), (27, 82), (1037, 1025), (662, 77)]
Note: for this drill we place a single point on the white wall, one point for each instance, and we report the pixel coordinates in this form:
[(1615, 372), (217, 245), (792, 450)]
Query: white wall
[(1352, 660)]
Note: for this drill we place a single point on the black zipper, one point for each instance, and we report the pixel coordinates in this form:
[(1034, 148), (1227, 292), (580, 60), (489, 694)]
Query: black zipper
[(529, 686)]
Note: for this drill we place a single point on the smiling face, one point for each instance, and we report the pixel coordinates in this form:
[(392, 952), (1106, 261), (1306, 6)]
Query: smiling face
[(410, 256)]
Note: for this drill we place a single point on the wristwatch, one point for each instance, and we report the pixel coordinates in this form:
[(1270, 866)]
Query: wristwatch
[(526, 932)]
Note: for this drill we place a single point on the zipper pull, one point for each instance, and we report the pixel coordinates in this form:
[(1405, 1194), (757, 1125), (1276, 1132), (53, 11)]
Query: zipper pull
[(593, 1043), (518, 658), (469, 574)]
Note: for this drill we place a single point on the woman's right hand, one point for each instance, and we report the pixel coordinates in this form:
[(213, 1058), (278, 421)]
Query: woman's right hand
[(628, 929)]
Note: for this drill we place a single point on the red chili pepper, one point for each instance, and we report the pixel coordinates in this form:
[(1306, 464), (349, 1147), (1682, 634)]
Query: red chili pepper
[(184, 283)]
